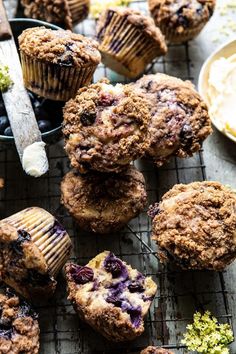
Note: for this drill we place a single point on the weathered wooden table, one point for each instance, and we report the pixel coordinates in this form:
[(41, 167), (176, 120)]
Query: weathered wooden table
[(180, 293)]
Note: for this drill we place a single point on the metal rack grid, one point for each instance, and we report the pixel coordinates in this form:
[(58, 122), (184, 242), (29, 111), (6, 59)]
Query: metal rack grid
[(179, 294)]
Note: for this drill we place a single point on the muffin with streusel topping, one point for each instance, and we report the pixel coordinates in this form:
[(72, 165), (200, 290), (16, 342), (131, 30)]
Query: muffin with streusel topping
[(64, 13), (179, 118), (194, 226), (19, 328), (56, 64), (181, 20), (106, 127), (156, 350), (129, 40), (101, 202), (34, 246), (110, 296)]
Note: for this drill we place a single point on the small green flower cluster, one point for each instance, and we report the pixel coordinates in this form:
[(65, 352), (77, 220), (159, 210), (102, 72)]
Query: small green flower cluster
[(5, 80), (207, 336)]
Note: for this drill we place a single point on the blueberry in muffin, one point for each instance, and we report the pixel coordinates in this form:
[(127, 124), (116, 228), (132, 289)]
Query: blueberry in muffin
[(19, 329), (101, 202), (56, 64), (34, 246), (129, 40), (156, 350), (179, 118), (110, 296), (106, 127), (64, 13), (181, 20), (194, 226)]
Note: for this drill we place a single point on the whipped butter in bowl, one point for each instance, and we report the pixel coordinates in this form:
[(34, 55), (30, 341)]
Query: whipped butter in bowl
[(217, 85)]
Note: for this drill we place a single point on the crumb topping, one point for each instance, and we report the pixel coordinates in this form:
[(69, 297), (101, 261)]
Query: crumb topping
[(106, 127), (59, 47), (181, 14), (104, 202), (179, 118), (52, 11), (19, 329), (194, 225)]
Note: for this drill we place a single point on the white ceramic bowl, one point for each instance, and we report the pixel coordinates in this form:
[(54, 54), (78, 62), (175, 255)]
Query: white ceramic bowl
[(225, 51)]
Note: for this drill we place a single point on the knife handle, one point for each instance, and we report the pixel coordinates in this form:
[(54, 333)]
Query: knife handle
[(5, 29)]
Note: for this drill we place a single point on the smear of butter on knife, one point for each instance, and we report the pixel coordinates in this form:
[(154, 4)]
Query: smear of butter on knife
[(34, 160)]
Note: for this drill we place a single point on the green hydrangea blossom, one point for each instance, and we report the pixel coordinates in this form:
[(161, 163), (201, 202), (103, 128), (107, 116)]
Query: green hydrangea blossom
[(98, 6), (5, 80), (207, 336)]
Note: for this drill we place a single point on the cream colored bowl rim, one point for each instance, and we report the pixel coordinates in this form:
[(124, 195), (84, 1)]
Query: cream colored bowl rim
[(224, 50)]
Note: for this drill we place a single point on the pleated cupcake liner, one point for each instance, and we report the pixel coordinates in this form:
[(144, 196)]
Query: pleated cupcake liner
[(124, 47), (54, 81), (46, 233), (79, 10)]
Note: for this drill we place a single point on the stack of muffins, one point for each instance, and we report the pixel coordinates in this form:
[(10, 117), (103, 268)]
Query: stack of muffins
[(105, 129)]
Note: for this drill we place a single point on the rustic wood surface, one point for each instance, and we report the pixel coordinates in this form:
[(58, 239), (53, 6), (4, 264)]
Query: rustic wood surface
[(180, 294)]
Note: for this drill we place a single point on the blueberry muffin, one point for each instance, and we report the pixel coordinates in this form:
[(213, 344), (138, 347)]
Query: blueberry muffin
[(104, 203), (181, 20), (19, 329), (105, 127), (56, 64), (110, 296), (194, 225), (156, 350), (64, 13), (129, 41), (33, 248), (179, 118)]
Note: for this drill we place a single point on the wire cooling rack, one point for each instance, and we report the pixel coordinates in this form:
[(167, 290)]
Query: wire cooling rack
[(179, 293)]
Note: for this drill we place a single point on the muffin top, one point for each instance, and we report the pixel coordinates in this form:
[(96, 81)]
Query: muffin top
[(137, 19), (106, 127), (59, 47), (155, 350), (19, 329), (103, 202), (194, 225), (52, 11), (179, 117), (181, 14)]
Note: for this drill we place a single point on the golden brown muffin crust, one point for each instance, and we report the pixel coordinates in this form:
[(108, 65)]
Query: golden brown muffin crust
[(104, 202), (181, 14), (155, 350), (21, 334), (105, 127), (136, 18), (195, 225), (52, 11), (59, 47), (180, 121)]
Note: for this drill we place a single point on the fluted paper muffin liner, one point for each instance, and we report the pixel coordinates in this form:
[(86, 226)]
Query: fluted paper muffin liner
[(46, 233), (124, 47), (79, 10), (54, 81)]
